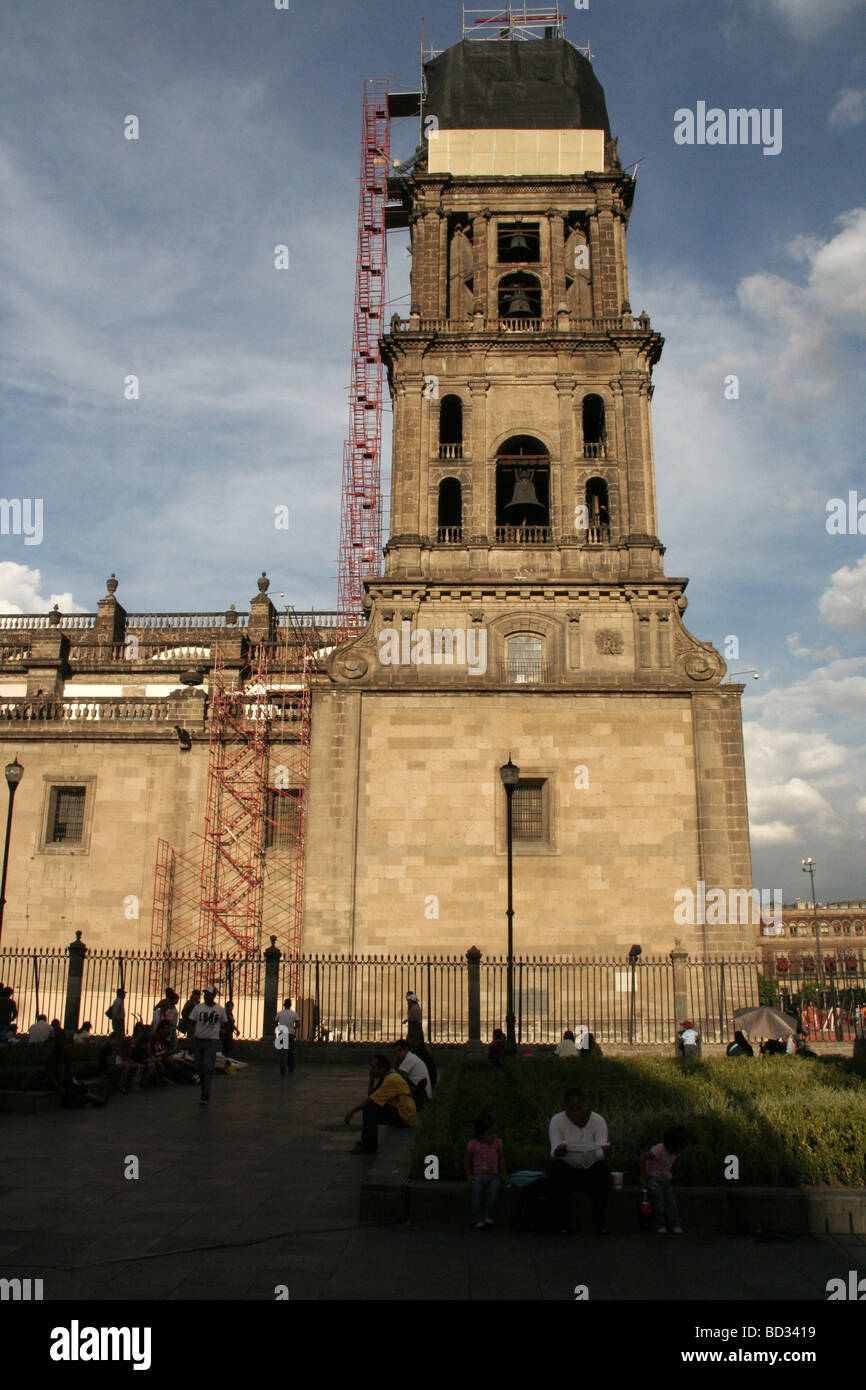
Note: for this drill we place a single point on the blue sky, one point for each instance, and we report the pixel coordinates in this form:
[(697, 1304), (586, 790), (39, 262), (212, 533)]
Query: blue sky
[(155, 257)]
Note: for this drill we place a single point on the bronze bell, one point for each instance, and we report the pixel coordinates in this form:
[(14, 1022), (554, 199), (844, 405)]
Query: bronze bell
[(524, 502), (519, 306), (517, 242)]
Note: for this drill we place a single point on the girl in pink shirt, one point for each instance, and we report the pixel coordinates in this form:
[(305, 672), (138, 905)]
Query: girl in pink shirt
[(656, 1175), (485, 1171)]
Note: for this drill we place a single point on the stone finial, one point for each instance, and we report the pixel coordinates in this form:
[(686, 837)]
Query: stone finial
[(264, 583), (54, 616), (231, 616), (111, 584)]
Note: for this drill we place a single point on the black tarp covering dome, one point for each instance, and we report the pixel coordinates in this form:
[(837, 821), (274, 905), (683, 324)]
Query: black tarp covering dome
[(507, 85)]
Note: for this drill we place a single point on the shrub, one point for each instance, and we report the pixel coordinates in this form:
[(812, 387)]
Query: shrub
[(788, 1120)]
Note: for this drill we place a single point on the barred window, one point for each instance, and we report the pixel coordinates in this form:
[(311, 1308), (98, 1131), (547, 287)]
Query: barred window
[(524, 660), (66, 815), (281, 819), (528, 810)]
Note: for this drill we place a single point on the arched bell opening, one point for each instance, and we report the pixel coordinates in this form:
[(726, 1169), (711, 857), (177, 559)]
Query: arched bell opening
[(593, 428), (449, 516), (451, 427), (520, 296), (598, 511), (523, 491), (518, 243)]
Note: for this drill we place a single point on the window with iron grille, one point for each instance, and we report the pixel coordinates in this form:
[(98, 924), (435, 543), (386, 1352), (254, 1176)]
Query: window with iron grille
[(281, 819), (66, 815), (528, 810), (524, 661)]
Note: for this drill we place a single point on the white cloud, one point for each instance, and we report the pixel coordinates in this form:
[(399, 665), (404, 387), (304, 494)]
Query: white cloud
[(796, 648), (807, 17), (19, 592), (773, 833), (796, 797), (850, 109), (802, 326), (844, 603)]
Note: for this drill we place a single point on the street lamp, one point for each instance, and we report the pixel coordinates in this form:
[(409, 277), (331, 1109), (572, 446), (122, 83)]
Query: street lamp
[(809, 868), (633, 956), (510, 777), (14, 773)]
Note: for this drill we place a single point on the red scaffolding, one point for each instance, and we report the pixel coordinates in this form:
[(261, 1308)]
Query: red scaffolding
[(249, 880), (233, 871), (361, 509)]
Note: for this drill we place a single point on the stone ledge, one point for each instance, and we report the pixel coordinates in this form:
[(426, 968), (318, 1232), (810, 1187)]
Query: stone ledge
[(717, 1210)]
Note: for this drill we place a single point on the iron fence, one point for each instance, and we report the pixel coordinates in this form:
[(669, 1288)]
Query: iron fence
[(363, 998)]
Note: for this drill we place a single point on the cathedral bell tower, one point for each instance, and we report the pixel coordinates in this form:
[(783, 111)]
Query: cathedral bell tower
[(524, 606)]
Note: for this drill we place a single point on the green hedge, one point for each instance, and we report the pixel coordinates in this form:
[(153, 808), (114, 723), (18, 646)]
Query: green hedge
[(788, 1120), (22, 1065)]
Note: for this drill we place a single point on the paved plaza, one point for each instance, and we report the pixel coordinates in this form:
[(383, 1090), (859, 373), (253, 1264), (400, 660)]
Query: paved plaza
[(260, 1190)]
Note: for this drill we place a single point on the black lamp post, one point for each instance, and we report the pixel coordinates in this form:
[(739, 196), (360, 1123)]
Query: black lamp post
[(14, 773), (510, 776), (633, 957), (809, 868)]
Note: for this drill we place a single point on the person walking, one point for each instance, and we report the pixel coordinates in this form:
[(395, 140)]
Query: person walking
[(185, 1024), (229, 1029), (414, 1030), (116, 1013), (286, 1026), (208, 1019)]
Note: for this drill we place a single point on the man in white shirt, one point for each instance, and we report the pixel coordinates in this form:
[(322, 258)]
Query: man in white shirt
[(567, 1047), (286, 1027), (40, 1031), (208, 1019), (415, 1072), (579, 1150)]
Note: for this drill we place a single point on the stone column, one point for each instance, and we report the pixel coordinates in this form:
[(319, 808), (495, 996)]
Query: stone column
[(621, 259), (76, 951), (556, 225), (633, 454), (110, 625), (272, 955), (474, 1045), (47, 663), (479, 253), (605, 267), (595, 261), (477, 523), (263, 615), (442, 268)]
